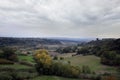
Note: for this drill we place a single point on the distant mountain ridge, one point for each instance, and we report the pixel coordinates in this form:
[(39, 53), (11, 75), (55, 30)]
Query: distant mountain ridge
[(9, 41), (12, 41), (73, 39)]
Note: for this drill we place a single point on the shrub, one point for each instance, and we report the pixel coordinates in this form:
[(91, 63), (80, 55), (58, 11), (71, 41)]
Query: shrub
[(4, 76), (55, 58), (69, 62), (65, 70), (109, 78), (26, 63), (4, 61), (9, 69), (61, 58), (17, 75), (110, 58), (86, 69), (8, 53), (117, 60), (45, 66)]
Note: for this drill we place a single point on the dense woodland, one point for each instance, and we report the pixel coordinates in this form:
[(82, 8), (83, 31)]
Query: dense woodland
[(107, 49)]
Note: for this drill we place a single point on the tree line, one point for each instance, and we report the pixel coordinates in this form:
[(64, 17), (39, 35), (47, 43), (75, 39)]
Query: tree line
[(107, 49)]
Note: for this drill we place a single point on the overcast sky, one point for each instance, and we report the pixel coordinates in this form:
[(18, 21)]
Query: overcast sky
[(60, 18)]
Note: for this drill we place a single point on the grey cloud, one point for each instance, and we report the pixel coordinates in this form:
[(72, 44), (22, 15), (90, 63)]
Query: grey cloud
[(72, 18)]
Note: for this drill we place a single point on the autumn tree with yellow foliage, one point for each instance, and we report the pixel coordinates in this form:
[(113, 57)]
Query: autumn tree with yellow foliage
[(46, 66), (43, 61)]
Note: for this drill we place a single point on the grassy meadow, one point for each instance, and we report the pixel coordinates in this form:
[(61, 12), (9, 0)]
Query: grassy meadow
[(15, 66), (90, 60), (53, 78), (28, 58)]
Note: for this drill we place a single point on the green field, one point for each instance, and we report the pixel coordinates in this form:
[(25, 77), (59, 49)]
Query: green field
[(90, 60), (28, 58), (15, 66), (53, 78)]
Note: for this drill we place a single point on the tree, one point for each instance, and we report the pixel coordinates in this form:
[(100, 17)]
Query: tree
[(108, 57), (83, 51), (118, 60), (1, 54), (86, 69), (45, 66), (61, 58), (43, 61), (8, 53), (55, 58)]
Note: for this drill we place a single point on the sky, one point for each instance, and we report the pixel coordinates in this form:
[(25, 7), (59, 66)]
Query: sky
[(60, 18)]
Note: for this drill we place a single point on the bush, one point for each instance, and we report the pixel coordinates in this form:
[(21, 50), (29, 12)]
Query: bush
[(83, 51), (45, 66), (117, 60), (109, 77), (69, 62), (4, 61), (55, 58), (4, 76), (86, 69), (65, 70), (6, 69), (26, 63), (109, 58), (8, 53), (26, 75), (21, 54), (17, 75), (61, 58)]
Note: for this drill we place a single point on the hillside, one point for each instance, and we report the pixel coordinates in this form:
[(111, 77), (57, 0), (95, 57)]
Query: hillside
[(4, 41), (36, 42)]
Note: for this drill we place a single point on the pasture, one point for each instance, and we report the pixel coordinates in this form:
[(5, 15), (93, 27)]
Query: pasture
[(90, 60), (53, 78), (27, 58)]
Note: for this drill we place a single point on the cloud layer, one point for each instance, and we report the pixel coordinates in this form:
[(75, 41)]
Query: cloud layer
[(65, 18)]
